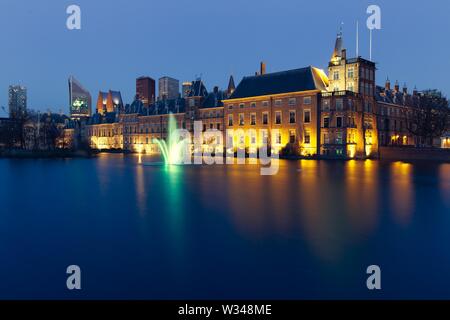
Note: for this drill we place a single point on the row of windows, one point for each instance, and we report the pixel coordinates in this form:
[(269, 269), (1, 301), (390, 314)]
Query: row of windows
[(277, 102), (339, 105), (339, 122), (277, 138), (366, 73), (393, 111), (265, 118)]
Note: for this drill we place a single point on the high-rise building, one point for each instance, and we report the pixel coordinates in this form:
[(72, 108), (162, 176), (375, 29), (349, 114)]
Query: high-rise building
[(145, 90), (186, 89), (80, 100), (169, 88), (17, 101)]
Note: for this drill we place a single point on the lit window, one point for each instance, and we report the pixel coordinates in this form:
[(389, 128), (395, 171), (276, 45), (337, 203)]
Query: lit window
[(307, 139), (241, 119), (278, 138)]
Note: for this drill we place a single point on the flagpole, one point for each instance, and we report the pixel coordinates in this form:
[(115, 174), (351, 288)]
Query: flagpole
[(357, 38)]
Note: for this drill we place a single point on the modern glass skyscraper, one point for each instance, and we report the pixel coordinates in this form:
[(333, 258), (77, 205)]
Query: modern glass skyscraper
[(17, 101), (80, 100), (168, 88)]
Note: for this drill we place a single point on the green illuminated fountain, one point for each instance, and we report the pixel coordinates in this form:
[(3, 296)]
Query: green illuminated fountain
[(173, 149)]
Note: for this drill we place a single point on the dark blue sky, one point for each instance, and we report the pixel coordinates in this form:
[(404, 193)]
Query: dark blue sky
[(123, 39)]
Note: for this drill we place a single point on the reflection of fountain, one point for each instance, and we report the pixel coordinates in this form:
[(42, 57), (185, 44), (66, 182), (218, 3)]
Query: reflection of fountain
[(172, 150)]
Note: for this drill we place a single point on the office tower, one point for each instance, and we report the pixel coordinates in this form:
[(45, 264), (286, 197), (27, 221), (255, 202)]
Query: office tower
[(17, 101), (80, 100), (145, 90), (169, 88)]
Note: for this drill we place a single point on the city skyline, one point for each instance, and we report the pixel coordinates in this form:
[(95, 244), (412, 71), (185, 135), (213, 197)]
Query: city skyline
[(46, 81)]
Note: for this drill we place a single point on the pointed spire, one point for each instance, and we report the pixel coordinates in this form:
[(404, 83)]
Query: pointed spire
[(231, 86), (338, 47)]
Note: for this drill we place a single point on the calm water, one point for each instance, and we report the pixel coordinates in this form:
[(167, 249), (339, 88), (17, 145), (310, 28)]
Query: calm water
[(223, 231)]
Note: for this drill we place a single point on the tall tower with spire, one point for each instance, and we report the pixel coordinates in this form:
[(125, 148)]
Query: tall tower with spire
[(350, 74)]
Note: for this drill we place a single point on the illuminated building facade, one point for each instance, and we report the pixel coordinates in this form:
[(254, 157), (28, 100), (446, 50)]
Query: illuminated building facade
[(348, 122), (110, 101), (79, 99), (301, 112), (276, 109)]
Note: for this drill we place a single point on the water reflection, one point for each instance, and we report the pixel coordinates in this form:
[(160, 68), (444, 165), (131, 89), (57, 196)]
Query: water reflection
[(401, 192), (319, 214), (362, 195), (141, 193), (444, 182)]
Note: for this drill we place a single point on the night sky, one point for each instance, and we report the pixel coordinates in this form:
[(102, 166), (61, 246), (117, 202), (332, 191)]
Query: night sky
[(121, 40)]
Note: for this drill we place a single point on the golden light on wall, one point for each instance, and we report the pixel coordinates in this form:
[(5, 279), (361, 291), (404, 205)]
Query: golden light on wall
[(351, 149), (368, 150)]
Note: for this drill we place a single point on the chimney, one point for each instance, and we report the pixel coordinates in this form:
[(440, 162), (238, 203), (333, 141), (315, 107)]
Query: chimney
[(405, 89), (387, 86), (344, 54), (263, 68), (396, 87)]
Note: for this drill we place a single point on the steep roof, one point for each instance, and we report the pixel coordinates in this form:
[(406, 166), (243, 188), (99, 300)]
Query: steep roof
[(303, 79)]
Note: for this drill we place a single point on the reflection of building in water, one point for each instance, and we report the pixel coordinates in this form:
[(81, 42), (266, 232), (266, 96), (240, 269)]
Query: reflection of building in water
[(402, 191), (301, 111)]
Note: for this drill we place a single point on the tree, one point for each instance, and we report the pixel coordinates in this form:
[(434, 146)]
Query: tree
[(429, 119)]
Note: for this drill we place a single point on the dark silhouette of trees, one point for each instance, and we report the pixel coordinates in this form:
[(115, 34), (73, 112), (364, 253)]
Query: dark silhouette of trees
[(429, 119)]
